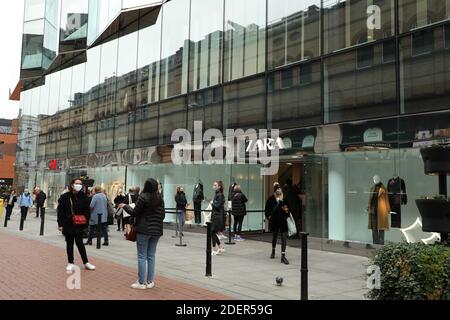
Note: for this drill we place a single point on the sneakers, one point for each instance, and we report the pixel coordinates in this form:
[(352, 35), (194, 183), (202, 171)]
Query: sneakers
[(105, 244), (69, 267), (89, 243), (238, 238), (139, 286), (151, 285), (89, 266), (222, 250), (215, 253)]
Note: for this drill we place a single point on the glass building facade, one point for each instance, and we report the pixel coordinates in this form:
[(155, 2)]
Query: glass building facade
[(355, 86)]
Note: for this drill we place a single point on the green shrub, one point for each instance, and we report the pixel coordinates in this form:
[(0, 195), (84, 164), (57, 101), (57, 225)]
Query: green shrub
[(412, 272)]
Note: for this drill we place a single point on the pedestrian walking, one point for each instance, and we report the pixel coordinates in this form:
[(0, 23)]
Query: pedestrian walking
[(120, 198), (277, 212), (293, 201), (72, 207), (10, 200), (181, 203), (217, 219), (40, 201), (99, 205), (239, 210), (25, 203), (149, 214)]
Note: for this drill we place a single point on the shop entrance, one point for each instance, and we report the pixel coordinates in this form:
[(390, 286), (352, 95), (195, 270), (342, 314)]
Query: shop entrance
[(308, 176)]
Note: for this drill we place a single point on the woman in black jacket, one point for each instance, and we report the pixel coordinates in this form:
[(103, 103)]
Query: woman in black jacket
[(277, 212), (74, 202), (149, 214), (217, 217), (180, 200), (239, 210)]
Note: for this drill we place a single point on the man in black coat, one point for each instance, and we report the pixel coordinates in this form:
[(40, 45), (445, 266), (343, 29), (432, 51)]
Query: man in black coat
[(293, 201), (40, 201), (10, 200)]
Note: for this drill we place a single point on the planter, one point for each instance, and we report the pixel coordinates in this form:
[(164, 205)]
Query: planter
[(436, 160), (435, 215)]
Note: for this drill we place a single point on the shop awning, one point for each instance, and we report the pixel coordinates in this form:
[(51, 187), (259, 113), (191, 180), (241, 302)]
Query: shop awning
[(126, 21)]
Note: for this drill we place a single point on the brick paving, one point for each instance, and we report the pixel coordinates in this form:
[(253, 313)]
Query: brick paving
[(32, 270)]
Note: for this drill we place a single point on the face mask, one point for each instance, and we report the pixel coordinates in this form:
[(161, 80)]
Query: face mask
[(77, 187)]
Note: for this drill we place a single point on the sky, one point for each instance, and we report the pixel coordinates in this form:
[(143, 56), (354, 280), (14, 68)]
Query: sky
[(11, 17)]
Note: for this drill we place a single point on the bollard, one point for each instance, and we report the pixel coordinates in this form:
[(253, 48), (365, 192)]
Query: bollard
[(304, 267), (181, 244), (230, 242), (6, 219), (99, 231), (42, 222), (208, 250), (21, 223)]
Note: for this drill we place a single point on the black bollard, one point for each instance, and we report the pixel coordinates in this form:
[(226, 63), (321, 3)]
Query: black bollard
[(230, 241), (42, 222), (208, 250), (304, 267), (99, 231), (21, 224), (6, 219)]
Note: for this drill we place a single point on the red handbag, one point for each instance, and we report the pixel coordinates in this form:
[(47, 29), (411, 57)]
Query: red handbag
[(78, 220)]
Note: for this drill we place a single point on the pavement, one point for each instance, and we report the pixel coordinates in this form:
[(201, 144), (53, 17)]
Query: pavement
[(244, 272)]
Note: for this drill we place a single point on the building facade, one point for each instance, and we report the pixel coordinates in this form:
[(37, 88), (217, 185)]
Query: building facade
[(356, 88), (8, 148)]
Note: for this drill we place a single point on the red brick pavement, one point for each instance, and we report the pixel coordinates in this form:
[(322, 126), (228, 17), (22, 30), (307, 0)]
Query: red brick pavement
[(31, 270)]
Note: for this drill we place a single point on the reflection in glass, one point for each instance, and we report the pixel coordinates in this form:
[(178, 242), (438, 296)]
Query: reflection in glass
[(126, 73), (359, 93), (419, 13), (348, 23), (74, 23), (245, 40), (294, 97), (206, 34), (172, 116), (293, 31), (243, 104), (91, 84), (146, 126), (174, 48)]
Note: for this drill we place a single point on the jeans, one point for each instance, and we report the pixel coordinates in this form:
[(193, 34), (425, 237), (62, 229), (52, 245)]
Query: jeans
[(284, 237), (23, 213), (181, 219), (146, 251), (78, 239), (40, 210), (198, 212), (238, 224), (104, 232), (120, 222)]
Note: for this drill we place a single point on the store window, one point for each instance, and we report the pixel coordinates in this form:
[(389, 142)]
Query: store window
[(424, 66), (245, 38), (293, 30), (359, 93), (205, 106), (348, 23), (295, 101)]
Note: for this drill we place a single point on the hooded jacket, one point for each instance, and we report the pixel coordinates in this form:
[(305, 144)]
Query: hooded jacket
[(149, 212)]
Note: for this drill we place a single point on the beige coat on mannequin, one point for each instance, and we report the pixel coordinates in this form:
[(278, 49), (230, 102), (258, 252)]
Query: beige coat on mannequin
[(383, 208)]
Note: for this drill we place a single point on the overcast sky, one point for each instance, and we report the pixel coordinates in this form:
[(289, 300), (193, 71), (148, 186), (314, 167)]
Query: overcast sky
[(11, 17)]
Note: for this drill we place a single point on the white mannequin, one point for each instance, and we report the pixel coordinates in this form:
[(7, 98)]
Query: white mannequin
[(376, 179)]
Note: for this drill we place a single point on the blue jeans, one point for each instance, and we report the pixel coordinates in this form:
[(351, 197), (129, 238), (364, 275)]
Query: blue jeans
[(146, 249), (181, 219)]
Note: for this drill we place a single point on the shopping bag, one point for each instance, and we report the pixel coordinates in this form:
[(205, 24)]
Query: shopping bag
[(292, 228), (207, 214)]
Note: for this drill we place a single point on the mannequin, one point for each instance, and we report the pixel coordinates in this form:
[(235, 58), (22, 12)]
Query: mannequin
[(198, 198), (397, 197), (379, 210)]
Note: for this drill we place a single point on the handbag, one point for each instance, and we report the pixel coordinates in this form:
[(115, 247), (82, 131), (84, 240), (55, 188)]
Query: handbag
[(131, 235), (292, 228), (78, 220)]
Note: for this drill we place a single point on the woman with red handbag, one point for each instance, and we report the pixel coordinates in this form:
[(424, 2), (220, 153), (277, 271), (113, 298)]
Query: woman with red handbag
[(73, 214)]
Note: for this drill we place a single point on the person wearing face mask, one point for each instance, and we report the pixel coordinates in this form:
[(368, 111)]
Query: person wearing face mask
[(71, 206), (217, 217), (25, 203)]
